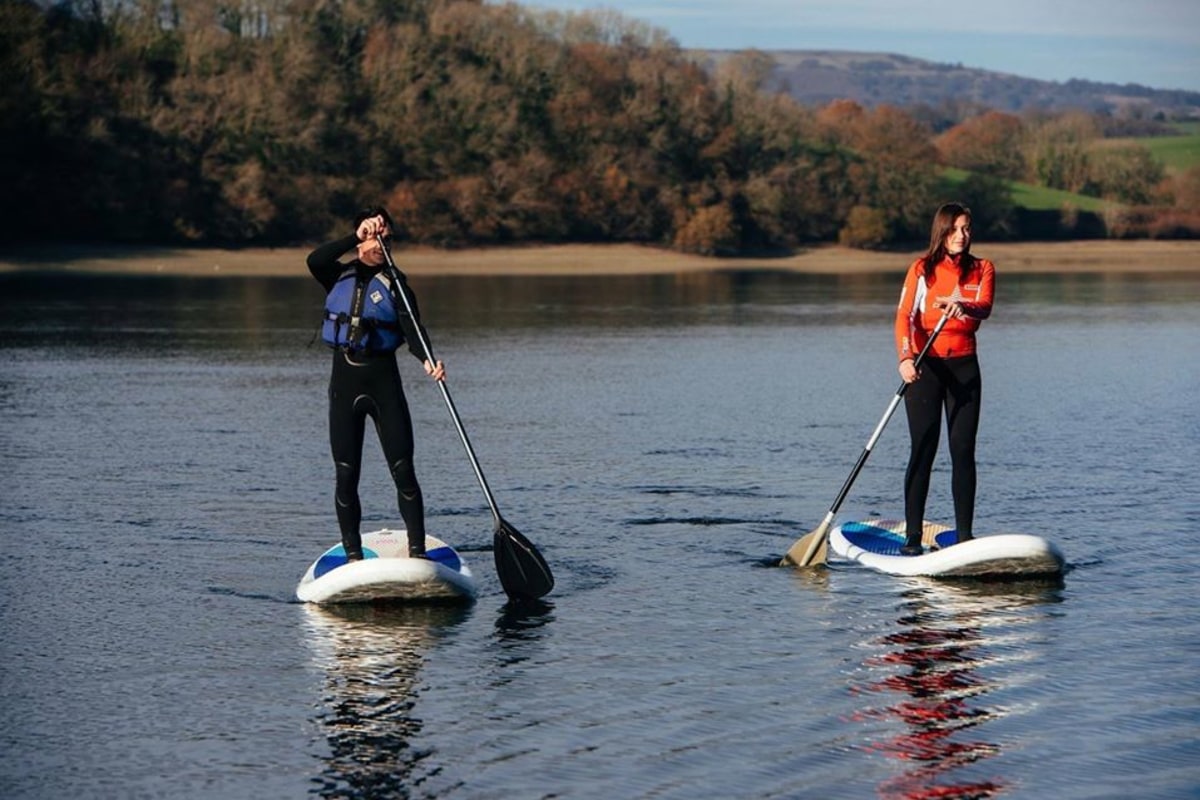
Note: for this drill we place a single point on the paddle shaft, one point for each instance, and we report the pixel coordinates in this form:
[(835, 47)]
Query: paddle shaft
[(862, 458), (462, 432)]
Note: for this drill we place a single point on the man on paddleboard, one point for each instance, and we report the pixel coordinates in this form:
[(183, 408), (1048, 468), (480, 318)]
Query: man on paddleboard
[(365, 323), (948, 281)]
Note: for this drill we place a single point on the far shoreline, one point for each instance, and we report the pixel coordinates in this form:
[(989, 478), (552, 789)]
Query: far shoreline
[(1074, 257)]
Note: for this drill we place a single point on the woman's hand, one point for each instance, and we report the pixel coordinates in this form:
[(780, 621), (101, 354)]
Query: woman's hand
[(435, 371), (908, 371), (952, 306)]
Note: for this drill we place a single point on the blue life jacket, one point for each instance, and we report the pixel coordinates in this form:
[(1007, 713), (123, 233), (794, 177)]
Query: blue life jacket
[(362, 315)]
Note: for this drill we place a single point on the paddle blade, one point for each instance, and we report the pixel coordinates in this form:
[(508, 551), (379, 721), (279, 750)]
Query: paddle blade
[(523, 572), (809, 549)]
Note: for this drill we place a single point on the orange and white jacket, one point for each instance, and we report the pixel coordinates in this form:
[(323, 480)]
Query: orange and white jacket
[(916, 316)]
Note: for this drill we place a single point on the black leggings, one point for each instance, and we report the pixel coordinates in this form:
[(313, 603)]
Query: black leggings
[(956, 385), (358, 389)]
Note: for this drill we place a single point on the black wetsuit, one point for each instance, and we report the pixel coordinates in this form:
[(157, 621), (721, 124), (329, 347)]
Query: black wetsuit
[(953, 384), (368, 384)]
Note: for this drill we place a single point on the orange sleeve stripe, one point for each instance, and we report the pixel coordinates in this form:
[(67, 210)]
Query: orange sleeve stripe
[(905, 325)]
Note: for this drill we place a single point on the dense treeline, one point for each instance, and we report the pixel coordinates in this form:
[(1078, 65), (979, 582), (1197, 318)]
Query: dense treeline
[(270, 121)]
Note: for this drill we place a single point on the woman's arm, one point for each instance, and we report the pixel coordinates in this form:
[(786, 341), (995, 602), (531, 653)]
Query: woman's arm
[(907, 345), (980, 306)]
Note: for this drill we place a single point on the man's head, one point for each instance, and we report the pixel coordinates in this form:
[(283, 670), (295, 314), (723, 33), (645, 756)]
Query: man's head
[(374, 211)]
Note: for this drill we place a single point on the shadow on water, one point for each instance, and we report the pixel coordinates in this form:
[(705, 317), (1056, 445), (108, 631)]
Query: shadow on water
[(935, 673), (371, 656)]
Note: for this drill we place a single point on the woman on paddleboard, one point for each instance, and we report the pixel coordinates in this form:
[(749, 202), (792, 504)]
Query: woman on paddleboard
[(948, 281), (365, 323)]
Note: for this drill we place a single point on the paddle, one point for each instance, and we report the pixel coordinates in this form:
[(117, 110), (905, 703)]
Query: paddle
[(523, 572), (811, 547)]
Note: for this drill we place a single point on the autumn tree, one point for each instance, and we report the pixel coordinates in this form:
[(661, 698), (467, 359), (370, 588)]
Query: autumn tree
[(893, 168), (991, 144), (993, 213), (1057, 150), (1126, 173), (1185, 189)]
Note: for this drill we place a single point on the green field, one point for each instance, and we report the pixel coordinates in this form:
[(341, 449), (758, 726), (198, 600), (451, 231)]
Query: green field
[(1041, 198), (1037, 198), (1177, 153)]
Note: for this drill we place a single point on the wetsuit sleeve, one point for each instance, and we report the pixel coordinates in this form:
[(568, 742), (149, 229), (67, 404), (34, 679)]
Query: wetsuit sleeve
[(323, 262), (907, 345), (410, 324)]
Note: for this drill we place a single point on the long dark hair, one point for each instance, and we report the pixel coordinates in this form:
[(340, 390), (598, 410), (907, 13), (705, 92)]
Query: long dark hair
[(943, 223)]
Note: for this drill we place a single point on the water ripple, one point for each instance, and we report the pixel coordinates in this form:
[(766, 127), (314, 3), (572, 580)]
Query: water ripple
[(168, 481)]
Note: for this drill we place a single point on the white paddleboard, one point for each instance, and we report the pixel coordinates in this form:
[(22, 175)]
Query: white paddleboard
[(387, 573), (876, 543)]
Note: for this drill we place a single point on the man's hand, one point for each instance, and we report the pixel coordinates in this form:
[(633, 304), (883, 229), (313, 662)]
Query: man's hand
[(435, 371), (371, 227)]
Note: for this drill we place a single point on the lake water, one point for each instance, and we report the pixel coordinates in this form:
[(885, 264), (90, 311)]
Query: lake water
[(663, 440)]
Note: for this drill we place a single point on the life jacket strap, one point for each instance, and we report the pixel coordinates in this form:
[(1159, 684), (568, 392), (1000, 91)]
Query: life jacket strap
[(354, 340), (342, 318)]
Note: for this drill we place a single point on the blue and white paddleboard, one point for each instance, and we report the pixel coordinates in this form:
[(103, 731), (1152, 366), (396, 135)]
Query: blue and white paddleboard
[(387, 573), (876, 543)]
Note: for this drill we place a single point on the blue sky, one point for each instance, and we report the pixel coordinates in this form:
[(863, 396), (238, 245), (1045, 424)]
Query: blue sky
[(1155, 43)]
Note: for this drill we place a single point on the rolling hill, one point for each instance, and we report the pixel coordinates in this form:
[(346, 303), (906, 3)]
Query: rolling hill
[(815, 77)]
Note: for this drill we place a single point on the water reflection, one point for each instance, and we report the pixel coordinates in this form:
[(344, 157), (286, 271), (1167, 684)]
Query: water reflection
[(935, 685), (371, 656), (519, 621), (163, 311), (520, 630)]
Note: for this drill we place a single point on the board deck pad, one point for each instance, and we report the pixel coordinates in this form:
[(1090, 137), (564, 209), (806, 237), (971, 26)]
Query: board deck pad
[(876, 543), (386, 572), (336, 557), (886, 536)]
